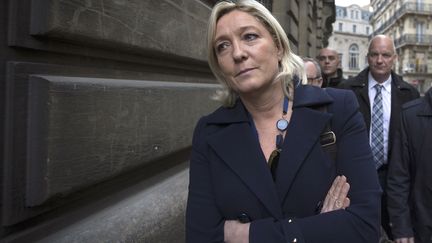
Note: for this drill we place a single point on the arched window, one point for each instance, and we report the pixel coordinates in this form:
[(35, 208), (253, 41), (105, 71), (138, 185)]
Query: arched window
[(353, 57)]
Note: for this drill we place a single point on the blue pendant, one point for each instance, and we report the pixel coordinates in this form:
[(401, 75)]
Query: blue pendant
[(282, 125)]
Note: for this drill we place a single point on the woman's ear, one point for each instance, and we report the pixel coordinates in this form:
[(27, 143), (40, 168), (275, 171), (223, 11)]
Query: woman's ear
[(280, 54)]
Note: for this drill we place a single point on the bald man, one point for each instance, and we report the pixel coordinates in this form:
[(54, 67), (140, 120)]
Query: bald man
[(329, 62), (381, 93)]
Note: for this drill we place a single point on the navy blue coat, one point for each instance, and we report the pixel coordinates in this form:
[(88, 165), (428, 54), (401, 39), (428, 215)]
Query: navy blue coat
[(409, 183), (229, 175)]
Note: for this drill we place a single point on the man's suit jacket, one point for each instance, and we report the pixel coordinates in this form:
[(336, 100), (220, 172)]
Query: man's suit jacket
[(230, 179), (401, 93)]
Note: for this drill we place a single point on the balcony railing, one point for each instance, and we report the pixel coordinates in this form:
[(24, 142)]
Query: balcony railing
[(418, 8), (381, 6), (413, 39), (415, 69)]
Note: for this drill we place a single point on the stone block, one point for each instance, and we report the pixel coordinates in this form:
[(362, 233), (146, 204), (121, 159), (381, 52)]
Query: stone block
[(161, 26), (86, 130), (152, 210)]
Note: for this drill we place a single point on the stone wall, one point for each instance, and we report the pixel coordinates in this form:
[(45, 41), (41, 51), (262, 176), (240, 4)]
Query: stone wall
[(100, 105), (98, 102)]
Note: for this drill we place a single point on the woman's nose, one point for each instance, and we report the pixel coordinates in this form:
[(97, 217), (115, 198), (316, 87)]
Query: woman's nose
[(239, 52)]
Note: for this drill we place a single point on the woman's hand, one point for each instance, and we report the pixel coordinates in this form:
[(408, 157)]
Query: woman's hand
[(236, 232), (337, 195), (405, 240)]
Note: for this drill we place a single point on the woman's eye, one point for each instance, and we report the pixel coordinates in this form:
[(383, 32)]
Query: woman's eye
[(221, 46), (250, 36)]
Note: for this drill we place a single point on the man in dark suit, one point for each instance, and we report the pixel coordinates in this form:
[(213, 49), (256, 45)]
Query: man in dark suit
[(381, 93), (409, 184)]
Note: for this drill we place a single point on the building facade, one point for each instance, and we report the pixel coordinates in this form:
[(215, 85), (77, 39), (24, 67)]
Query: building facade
[(409, 23), (98, 104), (350, 38)]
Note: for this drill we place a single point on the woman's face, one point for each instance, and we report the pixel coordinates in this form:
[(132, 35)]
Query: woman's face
[(246, 53)]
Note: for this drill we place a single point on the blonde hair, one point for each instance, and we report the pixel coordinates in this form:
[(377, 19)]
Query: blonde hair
[(290, 64)]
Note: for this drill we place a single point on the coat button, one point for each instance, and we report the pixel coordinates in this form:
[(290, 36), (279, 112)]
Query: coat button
[(243, 218)]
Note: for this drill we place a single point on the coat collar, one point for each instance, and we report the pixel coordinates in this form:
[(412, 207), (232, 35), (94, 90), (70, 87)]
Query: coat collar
[(304, 96), (360, 83), (238, 147), (362, 80), (308, 95)]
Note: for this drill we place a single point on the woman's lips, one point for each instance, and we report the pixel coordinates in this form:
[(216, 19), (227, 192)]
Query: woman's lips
[(244, 71)]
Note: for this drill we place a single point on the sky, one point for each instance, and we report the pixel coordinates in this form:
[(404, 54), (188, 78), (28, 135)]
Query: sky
[(345, 3)]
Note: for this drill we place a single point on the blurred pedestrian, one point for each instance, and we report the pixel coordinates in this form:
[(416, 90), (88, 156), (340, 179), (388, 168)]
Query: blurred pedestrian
[(330, 67), (409, 184), (313, 71)]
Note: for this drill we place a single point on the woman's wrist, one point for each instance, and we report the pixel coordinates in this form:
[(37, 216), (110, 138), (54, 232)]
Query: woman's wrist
[(236, 232)]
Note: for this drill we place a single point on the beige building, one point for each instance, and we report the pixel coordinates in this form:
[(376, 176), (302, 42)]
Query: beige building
[(351, 37), (409, 23)]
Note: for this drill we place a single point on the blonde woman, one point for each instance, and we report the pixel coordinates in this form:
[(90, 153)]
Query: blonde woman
[(261, 170)]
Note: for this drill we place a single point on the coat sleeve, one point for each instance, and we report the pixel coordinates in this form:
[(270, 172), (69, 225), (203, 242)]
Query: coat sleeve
[(360, 222), (398, 185), (204, 222)]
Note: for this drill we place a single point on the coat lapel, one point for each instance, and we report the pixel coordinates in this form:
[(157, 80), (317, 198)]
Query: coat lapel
[(363, 83), (303, 133), (360, 87), (238, 147), (427, 107)]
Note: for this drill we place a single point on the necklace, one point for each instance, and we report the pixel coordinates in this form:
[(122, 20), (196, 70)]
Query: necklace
[(281, 125)]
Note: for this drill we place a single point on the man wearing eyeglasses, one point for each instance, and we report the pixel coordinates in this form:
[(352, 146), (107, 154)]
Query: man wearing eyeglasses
[(329, 62), (313, 71), (381, 93)]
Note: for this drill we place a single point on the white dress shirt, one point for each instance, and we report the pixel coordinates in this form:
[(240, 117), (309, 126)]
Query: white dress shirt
[(386, 99)]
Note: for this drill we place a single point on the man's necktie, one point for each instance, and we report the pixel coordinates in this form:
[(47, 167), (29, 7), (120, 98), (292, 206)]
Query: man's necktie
[(377, 129)]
